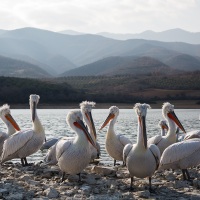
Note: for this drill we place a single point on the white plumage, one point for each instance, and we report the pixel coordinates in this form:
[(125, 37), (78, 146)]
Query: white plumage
[(164, 141), (163, 126), (25, 143), (141, 161), (181, 155), (114, 143), (192, 134)]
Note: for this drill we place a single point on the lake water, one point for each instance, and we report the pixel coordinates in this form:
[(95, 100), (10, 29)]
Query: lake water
[(55, 125)]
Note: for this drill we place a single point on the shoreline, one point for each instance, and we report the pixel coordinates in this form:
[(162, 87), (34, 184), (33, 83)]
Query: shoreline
[(179, 104)]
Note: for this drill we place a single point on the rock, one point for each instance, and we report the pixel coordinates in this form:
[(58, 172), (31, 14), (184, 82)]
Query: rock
[(86, 189), (16, 196), (170, 177), (90, 180), (122, 174), (144, 194), (96, 191), (105, 171), (4, 191), (51, 193), (24, 177), (73, 178)]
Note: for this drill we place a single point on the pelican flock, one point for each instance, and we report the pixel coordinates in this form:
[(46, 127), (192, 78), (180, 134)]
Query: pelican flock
[(141, 160), (24, 143), (73, 154), (114, 143)]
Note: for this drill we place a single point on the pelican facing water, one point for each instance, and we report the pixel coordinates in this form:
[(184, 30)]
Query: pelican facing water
[(181, 155), (74, 156), (114, 143), (164, 141), (25, 143), (141, 160), (10, 123)]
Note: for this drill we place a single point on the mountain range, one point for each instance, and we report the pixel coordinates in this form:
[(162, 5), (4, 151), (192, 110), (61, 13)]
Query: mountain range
[(59, 54)]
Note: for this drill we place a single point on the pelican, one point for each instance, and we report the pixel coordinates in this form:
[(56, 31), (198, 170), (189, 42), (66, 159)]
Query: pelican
[(11, 124), (163, 126), (192, 134), (25, 143), (141, 160), (164, 141), (74, 155), (86, 108), (181, 155), (114, 143)]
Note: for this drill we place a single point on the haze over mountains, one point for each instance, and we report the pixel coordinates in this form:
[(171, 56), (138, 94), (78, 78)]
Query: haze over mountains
[(59, 54)]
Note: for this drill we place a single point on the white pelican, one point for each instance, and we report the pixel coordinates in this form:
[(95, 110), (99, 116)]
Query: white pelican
[(164, 141), (163, 126), (141, 160), (25, 143), (181, 155), (192, 135), (86, 108), (114, 143), (74, 155), (11, 124)]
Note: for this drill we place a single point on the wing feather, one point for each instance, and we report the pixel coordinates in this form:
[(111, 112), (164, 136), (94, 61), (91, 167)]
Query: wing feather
[(154, 140), (124, 140), (156, 153), (15, 142)]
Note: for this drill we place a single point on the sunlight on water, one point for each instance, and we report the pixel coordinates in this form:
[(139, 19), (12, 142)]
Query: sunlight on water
[(55, 124)]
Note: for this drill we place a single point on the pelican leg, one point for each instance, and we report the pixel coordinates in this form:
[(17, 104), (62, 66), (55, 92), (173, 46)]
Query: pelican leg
[(63, 177), (79, 174), (114, 162), (25, 161), (131, 186), (124, 163), (150, 188), (184, 174), (188, 175), (22, 161)]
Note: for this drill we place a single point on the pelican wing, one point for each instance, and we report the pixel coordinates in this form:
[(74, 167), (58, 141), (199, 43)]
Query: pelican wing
[(124, 140), (15, 142), (50, 157), (179, 151), (3, 135), (156, 153), (154, 140), (126, 151), (49, 143), (192, 134)]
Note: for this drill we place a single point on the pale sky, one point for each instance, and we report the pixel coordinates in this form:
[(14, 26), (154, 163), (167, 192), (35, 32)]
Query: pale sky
[(93, 16)]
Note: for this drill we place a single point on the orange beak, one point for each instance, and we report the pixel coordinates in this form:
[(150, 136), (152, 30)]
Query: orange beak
[(12, 121), (110, 116)]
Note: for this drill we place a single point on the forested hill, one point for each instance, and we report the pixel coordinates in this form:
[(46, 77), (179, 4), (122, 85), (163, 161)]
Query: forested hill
[(102, 89)]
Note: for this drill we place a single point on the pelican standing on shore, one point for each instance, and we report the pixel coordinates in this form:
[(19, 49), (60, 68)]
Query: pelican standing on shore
[(25, 143), (164, 141), (114, 143), (86, 109), (10, 123), (73, 156), (141, 160), (181, 155)]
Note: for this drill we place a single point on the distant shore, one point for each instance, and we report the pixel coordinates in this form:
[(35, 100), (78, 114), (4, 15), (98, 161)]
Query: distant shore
[(179, 104)]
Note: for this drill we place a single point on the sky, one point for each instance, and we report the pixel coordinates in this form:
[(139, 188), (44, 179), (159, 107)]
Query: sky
[(94, 16)]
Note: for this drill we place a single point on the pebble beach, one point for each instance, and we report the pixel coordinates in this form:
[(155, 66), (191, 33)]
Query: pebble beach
[(98, 181)]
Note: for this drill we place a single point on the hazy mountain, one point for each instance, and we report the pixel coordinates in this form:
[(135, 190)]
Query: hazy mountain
[(120, 66), (16, 68), (173, 35), (71, 32), (58, 52)]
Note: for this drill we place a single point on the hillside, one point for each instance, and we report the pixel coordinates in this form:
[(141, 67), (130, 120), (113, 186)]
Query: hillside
[(57, 53), (17, 68)]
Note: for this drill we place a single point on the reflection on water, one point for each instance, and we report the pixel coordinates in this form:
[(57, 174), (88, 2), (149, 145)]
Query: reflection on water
[(55, 125)]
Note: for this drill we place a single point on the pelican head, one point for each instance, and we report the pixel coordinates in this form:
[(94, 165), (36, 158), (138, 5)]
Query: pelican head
[(168, 112), (86, 108), (33, 101), (6, 116), (113, 113), (141, 111), (163, 124), (75, 120)]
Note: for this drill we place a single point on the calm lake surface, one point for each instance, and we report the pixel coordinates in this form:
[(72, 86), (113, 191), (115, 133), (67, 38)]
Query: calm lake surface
[(55, 125)]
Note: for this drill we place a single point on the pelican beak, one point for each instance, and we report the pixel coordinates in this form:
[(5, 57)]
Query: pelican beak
[(12, 121), (173, 116), (89, 117), (110, 116), (79, 124), (33, 111), (143, 125), (164, 126)]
